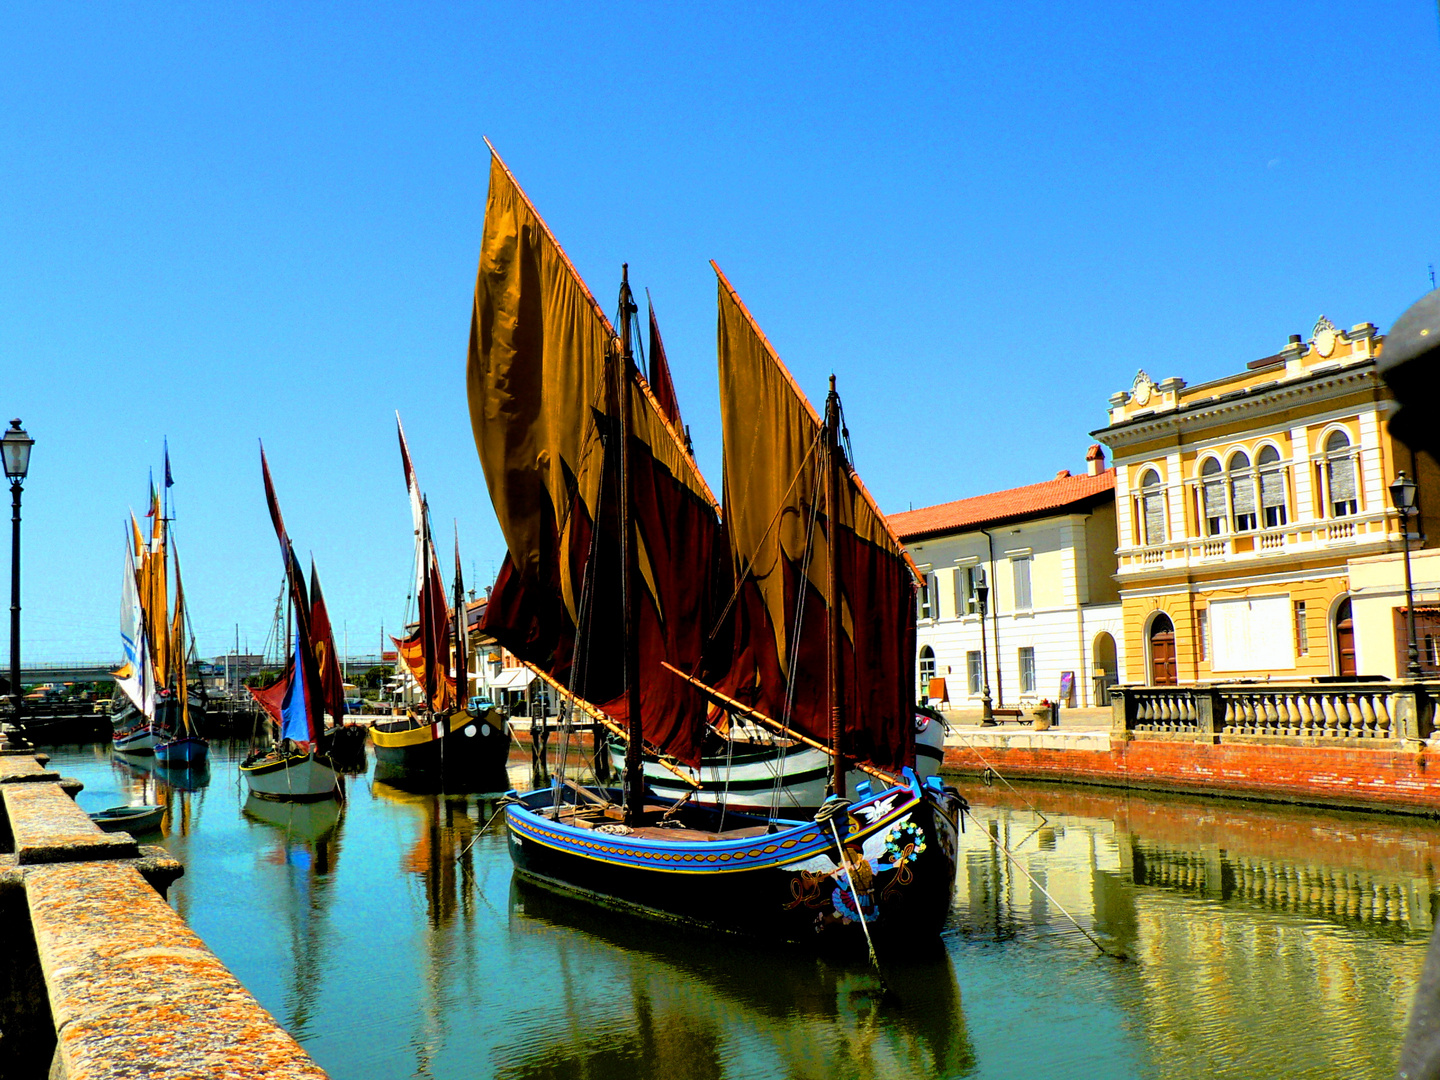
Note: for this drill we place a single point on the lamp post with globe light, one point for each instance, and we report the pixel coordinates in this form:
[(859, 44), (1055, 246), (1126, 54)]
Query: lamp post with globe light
[(15, 449), (982, 594), (1402, 495)]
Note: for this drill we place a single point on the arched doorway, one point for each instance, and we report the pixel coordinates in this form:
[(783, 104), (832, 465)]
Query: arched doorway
[(1344, 639), (1104, 666), (1162, 651)]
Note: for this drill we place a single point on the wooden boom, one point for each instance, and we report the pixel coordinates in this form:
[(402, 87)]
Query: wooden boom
[(609, 723), (760, 718)]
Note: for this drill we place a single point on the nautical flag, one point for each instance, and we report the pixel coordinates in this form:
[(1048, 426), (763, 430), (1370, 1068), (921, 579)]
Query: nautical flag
[(154, 499), (169, 480)]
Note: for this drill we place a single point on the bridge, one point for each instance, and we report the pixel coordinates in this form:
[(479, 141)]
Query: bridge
[(68, 671)]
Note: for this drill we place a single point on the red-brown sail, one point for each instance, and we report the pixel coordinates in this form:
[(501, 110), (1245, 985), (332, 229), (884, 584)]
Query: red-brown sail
[(781, 542), (539, 350)]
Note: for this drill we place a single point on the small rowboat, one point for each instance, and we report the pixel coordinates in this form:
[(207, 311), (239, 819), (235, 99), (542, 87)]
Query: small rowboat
[(131, 819)]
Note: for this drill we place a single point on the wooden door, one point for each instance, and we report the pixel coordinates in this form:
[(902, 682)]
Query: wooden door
[(1344, 640), (1162, 652)]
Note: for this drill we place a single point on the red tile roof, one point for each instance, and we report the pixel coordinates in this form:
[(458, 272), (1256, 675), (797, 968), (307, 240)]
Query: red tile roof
[(1033, 500)]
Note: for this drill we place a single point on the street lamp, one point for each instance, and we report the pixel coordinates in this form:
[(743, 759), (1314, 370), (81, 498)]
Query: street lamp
[(15, 448), (1402, 494), (982, 594)]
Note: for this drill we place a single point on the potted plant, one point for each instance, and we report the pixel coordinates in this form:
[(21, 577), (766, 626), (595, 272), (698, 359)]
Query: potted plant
[(1042, 712)]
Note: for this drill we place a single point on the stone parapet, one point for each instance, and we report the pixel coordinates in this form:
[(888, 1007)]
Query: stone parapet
[(133, 991)]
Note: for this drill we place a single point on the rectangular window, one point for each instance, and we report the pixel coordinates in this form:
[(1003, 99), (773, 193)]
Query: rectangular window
[(1153, 506), (1020, 570), (1302, 634), (922, 600), (972, 667), (964, 590), (1212, 495), (1027, 670), (1204, 616)]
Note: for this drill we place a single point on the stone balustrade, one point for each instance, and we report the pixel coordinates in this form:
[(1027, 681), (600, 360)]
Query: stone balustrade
[(1270, 712)]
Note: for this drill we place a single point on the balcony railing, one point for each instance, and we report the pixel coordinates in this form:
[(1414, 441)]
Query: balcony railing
[(1248, 712)]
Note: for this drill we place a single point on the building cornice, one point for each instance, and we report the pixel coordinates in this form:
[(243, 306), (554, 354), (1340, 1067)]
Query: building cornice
[(1249, 403)]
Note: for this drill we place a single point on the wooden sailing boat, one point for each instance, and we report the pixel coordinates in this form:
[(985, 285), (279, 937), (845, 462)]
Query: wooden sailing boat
[(442, 745), (588, 477), (152, 679), (298, 767), (187, 746)]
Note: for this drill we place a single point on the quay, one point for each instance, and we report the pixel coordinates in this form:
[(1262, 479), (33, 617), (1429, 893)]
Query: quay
[(1361, 746), (99, 977)]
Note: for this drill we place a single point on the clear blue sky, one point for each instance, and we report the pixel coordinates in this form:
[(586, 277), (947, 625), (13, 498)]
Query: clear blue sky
[(229, 222)]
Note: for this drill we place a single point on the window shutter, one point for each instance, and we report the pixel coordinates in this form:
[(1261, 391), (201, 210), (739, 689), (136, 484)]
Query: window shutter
[(1242, 491), (1154, 519), (1342, 480), (1213, 494), (1272, 488)]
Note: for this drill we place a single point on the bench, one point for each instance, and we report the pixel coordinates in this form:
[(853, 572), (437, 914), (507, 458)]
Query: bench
[(1001, 715)]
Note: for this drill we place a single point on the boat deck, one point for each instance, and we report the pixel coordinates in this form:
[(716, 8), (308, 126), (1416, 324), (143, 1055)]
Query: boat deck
[(597, 815)]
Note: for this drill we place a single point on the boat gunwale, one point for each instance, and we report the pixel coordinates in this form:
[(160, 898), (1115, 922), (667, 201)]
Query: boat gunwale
[(583, 843)]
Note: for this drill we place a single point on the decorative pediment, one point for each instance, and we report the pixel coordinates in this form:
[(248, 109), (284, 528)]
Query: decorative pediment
[(1324, 336), (1143, 390)]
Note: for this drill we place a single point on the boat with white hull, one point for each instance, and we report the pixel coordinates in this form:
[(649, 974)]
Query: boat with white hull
[(297, 776)]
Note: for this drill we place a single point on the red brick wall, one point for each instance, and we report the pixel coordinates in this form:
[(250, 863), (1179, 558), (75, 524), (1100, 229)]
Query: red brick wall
[(1384, 779)]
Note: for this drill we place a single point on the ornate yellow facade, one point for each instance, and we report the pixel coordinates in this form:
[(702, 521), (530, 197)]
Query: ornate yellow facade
[(1240, 502)]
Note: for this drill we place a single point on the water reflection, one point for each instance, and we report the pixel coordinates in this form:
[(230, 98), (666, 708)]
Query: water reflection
[(1265, 941), (177, 788), (302, 841), (647, 1000)]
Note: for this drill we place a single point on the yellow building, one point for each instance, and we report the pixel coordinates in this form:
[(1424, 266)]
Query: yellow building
[(1240, 503)]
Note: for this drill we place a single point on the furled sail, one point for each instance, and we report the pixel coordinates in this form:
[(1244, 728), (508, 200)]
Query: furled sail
[(540, 356), (778, 526), (426, 652)]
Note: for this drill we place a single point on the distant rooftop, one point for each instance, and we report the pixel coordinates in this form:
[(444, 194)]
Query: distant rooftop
[(1034, 500)]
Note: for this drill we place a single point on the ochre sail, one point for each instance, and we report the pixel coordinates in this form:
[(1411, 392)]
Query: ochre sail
[(778, 527), (540, 347)]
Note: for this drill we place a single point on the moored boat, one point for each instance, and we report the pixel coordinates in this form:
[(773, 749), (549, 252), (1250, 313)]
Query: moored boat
[(298, 767), (131, 819), (440, 745), (615, 588)]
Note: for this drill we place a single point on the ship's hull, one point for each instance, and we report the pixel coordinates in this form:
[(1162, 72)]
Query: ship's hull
[(743, 777), (786, 884), (190, 750), (459, 753), (139, 740), (297, 777)]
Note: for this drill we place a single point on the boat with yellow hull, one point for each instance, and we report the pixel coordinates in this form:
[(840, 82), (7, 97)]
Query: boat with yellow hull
[(459, 752)]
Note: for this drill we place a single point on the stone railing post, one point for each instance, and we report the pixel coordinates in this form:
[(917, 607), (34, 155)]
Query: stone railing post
[(1209, 712), (1412, 711), (1122, 710)]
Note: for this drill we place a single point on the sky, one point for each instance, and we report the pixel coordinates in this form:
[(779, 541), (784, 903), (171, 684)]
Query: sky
[(221, 224)]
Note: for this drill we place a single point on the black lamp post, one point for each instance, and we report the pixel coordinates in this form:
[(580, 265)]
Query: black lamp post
[(982, 594), (15, 448), (1402, 494)]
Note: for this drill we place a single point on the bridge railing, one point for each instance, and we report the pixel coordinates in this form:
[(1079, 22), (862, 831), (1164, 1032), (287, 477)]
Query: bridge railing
[(1274, 712)]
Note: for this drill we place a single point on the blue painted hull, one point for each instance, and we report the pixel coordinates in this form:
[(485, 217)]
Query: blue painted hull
[(785, 884), (186, 751)]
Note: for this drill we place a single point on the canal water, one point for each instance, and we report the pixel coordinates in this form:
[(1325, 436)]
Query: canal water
[(388, 936)]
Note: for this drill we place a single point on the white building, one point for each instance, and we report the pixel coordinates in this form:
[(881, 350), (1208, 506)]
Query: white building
[(1047, 552)]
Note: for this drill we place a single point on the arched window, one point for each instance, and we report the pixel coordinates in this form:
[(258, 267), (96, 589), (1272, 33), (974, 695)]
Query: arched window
[(1343, 494), (1242, 493), (1212, 497), (927, 668), (1152, 509), (1272, 488)]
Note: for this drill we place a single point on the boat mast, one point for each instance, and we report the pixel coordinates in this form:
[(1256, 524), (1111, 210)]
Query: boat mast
[(634, 766), (461, 646), (427, 613), (833, 629)]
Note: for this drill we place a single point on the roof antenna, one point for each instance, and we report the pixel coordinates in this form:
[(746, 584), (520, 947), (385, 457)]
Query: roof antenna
[(1432, 275)]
